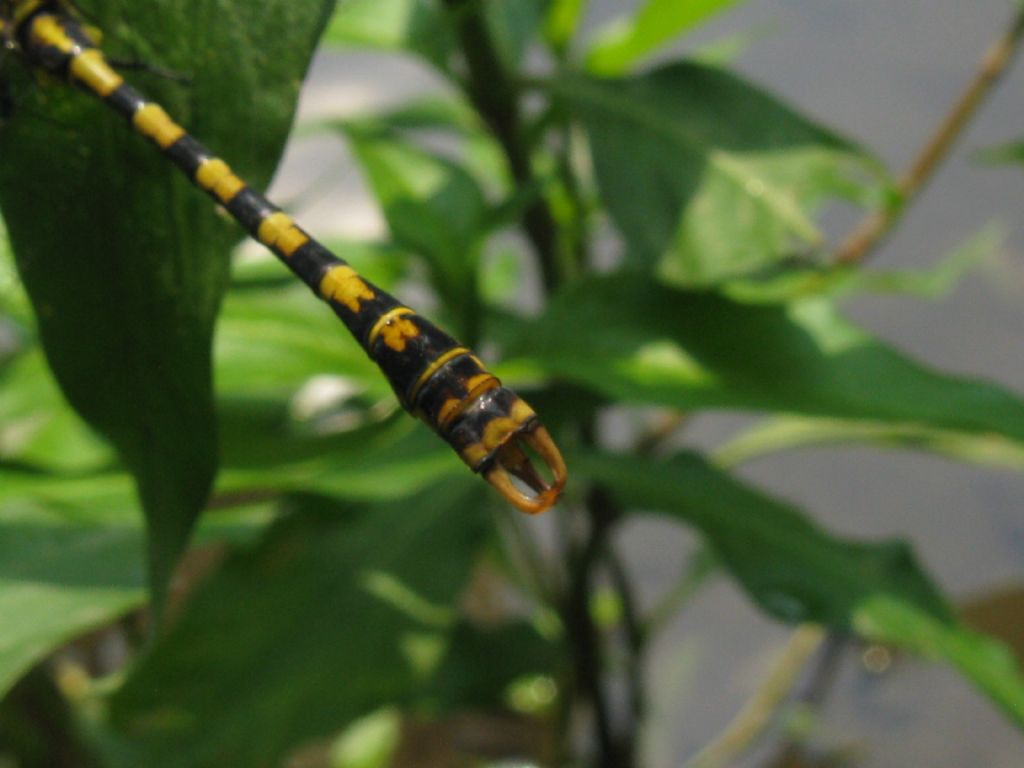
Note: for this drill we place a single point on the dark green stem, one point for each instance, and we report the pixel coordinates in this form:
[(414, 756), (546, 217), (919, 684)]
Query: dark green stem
[(583, 634), (495, 95), (636, 643)]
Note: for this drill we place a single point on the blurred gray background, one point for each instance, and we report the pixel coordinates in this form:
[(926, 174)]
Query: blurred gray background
[(883, 72)]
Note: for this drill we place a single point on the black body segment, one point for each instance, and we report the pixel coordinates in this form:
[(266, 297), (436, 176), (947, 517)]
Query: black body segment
[(433, 376)]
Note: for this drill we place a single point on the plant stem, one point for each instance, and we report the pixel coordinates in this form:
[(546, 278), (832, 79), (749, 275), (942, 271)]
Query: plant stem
[(583, 635), (758, 712), (495, 95), (866, 237), (578, 247), (636, 643)]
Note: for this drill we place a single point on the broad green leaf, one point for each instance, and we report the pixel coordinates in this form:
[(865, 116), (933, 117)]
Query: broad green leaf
[(72, 559), (337, 613), (706, 176), (37, 426), (633, 340), (127, 286), (793, 432), (418, 26), (433, 207), (632, 37), (798, 572)]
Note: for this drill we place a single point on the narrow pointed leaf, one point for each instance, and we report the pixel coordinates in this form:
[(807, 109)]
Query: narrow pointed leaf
[(123, 261), (798, 572), (629, 338)]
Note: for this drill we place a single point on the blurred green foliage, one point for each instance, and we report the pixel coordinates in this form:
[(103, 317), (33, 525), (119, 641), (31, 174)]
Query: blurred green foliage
[(345, 563)]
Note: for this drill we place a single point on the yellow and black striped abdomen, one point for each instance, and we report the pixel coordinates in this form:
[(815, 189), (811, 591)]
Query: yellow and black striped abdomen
[(434, 376)]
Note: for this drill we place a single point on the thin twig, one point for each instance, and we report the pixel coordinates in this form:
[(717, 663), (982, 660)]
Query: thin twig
[(758, 713), (866, 237)]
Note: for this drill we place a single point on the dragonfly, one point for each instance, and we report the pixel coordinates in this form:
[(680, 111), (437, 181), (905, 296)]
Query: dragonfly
[(493, 430)]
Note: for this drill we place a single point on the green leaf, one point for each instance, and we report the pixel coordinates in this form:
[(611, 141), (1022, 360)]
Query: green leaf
[(792, 432), (562, 20), (797, 572), (13, 301), (298, 637), (630, 38), (989, 664), (939, 280), (433, 207), (37, 427), (633, 340), (393, 25), (275, 339), (433, 112), (706, 176), (389, 460), (789, 283), (127, 286), (72, 559), (369, 742), (62, 574)]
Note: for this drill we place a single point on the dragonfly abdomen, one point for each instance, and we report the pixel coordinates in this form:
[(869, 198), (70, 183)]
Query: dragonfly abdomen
[(433, 375)]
